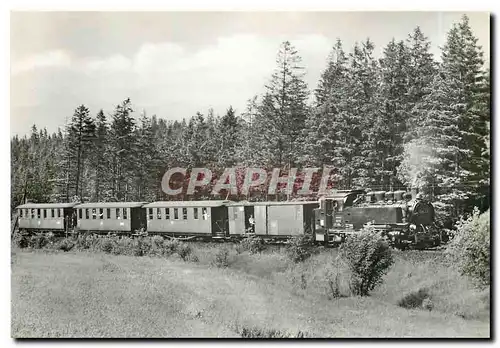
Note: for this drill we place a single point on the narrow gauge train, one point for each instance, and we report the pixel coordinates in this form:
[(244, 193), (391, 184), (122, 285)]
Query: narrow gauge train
[(404, 219)]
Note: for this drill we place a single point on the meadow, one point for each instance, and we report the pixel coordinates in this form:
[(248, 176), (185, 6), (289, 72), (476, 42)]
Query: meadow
[(238, 294)]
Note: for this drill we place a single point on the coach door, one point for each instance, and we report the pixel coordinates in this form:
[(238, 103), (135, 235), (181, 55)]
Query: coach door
[(220, 222), (236, 219), (260, 219)]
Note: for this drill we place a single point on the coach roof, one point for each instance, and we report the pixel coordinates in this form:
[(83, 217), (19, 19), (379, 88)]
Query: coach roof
[(168, 204), (46, 205), (245, 203), (111, 205)]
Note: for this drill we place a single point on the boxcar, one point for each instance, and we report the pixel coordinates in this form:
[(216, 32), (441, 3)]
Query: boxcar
[(46, 216), (193, 218), (124, 217), (271, 219)]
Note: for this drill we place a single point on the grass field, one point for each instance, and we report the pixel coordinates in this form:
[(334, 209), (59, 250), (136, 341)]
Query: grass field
[(84, 294)]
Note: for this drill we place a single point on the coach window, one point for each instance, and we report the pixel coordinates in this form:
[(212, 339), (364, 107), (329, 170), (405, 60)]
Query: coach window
[(32, 213), (167, 213), (108, 213), (158, 213), (38, 214), (195, 213), (87, 213), (150, 213), (101, 213), (94, 213), (205, 215), (52, 213), (118, 214), (184, 213), (79, 214), (44, 213), (59, 213), (21, 212), (176, 214), (125, 211)]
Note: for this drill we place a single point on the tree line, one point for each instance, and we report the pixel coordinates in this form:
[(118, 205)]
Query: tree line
[(406, 119)]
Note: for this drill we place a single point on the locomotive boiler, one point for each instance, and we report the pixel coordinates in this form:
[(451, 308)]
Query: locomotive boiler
[(404, 218)]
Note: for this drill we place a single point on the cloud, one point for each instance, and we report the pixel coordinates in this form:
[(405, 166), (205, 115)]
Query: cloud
[(170, 80), (56, 58)]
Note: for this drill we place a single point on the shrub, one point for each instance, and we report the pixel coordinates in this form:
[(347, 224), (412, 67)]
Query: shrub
[(84, 242), (157, 245), (123, 246), (253, 244), (470, 247), (222, 258), (299, 248), (107, 244), (414, 299), (170, 247), (254, 332), (184, 251), (65, 244), (38, 241), (20, 240), (368, 257)]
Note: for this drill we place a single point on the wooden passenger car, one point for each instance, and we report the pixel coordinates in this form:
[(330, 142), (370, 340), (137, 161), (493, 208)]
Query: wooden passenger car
[(46, 216), (271, 219), (127, 217), (188, 218)]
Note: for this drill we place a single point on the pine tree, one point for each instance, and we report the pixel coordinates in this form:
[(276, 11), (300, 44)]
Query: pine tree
[(390, 126), (321, 136), (122, 152), (453, 122), (79, 138), (284, 109), (358, 158), (420, 70), (100, 162)]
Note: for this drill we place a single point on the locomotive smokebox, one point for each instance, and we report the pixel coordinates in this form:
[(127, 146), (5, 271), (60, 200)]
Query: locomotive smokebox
[(414, 192)]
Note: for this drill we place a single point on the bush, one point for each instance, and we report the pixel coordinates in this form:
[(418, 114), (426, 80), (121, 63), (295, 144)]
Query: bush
[(170, 247), (38, 241), (414, 299), (184, 251), (253, 244), (106, 244), (254, 332), (470, 247), (368, 257), (299, 248), (84, 242), (222, 258), (20, 240), (65, 244)]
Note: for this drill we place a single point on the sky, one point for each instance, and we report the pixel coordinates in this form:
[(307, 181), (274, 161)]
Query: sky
[(174, 64)]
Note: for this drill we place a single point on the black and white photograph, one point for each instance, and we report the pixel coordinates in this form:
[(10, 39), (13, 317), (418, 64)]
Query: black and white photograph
[(250, 174)]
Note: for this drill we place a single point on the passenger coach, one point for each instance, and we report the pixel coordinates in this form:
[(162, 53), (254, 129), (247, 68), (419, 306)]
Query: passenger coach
[(193, 218), (58, 217), (127, 217)]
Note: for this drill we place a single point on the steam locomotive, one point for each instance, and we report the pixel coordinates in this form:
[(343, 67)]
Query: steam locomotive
[(404, 218)]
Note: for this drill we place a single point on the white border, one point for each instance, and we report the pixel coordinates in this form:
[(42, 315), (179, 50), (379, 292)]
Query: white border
[(152, 5)]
